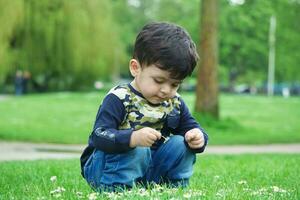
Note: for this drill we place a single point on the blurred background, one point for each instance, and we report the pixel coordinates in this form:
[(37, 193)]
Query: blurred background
[(66, 54), (59, 45)]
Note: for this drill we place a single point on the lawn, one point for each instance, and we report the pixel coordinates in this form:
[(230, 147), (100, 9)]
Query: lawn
[(68, 118), (264, 176)]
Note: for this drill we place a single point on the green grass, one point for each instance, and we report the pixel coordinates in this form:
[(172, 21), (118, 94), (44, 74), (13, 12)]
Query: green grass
[(69, 117), (53, 117), (243, 177), (255, 120)]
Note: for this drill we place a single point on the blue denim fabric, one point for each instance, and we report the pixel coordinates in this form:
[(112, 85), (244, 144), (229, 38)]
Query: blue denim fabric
[(172, 163)]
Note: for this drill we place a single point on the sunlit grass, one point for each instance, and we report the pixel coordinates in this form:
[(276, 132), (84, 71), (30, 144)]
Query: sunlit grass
[(68, 118), (56, 117), (215, 177)]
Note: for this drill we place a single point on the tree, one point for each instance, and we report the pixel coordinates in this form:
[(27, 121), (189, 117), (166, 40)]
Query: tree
[(287, 13), (10, 17), (64, 44), (207, 85), (244, 32), (244, 42)]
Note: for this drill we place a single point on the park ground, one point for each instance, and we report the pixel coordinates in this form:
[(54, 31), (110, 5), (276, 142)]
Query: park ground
[(10, 151), (253, 151)]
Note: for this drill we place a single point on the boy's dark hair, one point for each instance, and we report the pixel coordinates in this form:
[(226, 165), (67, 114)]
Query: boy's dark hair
[(168, 46)]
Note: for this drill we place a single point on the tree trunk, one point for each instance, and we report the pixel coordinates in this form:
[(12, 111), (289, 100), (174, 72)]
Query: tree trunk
[(207, 84)]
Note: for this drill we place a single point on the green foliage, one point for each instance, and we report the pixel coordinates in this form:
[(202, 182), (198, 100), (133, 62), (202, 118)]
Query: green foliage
[(244, 37), (287, 40), (242, 177), (66, 44), (70, 44), (244, 32), (11, 15)]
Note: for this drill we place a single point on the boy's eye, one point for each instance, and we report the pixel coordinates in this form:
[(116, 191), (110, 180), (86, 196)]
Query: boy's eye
[(158, 81), (175, 85)]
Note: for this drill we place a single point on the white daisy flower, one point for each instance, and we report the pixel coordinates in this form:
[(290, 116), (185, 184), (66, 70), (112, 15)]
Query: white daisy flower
[(187, 195), (242, 182), (53, 178), (92, 196)]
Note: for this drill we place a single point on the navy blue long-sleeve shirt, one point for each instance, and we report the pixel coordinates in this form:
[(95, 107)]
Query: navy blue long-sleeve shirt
[(125, 110)]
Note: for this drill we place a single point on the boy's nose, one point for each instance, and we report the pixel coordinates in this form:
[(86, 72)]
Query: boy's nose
[(165, 89)]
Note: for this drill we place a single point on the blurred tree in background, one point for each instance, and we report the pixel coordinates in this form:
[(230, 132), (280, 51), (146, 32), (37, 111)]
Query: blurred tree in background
[(244, 39), (11, 15), (207, 95), (64, 44), (67, 45)]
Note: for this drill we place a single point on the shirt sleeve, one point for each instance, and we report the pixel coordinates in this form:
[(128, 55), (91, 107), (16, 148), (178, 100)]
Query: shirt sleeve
[(186, 123), (105, 135)]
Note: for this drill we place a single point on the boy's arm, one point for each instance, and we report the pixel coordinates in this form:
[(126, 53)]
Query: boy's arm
[(106, 136), (186, 123)]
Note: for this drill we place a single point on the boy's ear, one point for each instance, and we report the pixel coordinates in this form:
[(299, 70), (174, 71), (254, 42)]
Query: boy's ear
[(134, 67)]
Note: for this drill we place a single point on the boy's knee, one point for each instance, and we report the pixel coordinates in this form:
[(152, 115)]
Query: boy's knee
[(127, 167), (179, 150), (140, 155), (176, 139), (184, 159), (110, 169), (176, 143), (175, 150), (136, 159)]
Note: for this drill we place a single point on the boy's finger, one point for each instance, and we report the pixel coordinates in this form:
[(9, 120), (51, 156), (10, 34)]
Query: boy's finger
[(192, 136), (150, 142), (197, 135), (196, 142), (157, 134), (152, 137), (194, 146), (188, 137)]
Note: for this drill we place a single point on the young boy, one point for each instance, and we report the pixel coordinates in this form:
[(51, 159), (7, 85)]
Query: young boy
[(144, 131)]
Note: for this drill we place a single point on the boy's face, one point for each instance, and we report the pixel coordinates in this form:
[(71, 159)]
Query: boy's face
[(154, 84)]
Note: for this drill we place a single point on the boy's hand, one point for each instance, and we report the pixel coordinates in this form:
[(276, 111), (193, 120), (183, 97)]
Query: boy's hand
[(195, 138), (144, 137)]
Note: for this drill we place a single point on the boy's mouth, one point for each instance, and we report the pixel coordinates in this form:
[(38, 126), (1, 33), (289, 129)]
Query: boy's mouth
[(160, 99), (156, 100)]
